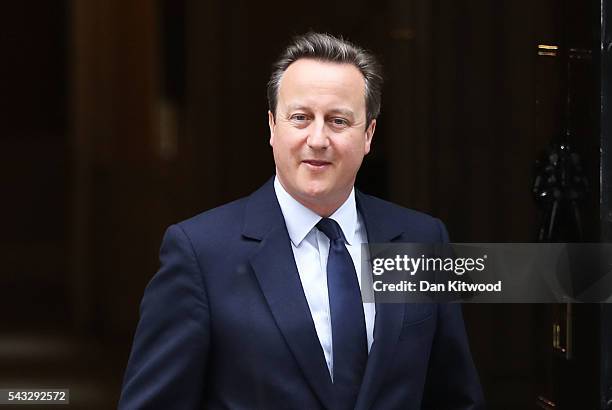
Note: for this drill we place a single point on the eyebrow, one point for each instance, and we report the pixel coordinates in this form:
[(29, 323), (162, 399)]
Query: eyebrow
[(294, 107), (342, 111)]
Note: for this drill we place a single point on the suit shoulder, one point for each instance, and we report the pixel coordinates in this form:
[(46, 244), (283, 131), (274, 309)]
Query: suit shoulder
[(416, 226), (397, 211), (222, 220)]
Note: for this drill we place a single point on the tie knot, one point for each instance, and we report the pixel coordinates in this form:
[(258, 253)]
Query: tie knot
[(330, 228)]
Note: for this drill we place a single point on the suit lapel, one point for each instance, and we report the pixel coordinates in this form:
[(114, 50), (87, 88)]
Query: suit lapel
[(276, 272), (389, 316)]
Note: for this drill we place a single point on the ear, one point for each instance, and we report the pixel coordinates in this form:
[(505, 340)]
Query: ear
[(369, 134), (271, 124)]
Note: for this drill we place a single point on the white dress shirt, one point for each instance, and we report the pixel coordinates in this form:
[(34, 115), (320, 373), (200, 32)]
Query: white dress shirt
[(310, 250)]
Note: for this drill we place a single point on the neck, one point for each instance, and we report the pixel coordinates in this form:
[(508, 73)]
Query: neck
[(322, 210)]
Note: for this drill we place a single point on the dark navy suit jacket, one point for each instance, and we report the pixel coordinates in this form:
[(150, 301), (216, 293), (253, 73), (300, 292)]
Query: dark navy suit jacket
[(225, 323)]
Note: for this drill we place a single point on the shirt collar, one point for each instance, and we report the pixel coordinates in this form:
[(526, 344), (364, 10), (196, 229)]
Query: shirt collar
[(300, 220)]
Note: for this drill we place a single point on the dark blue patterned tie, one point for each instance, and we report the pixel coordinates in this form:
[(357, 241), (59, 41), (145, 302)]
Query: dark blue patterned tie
[(349, 342)]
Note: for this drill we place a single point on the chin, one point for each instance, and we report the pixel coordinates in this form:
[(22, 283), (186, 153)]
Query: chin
[(314, 194), (315, 189)]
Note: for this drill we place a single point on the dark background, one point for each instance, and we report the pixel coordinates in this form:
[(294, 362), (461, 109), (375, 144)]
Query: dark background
[(120, 117)]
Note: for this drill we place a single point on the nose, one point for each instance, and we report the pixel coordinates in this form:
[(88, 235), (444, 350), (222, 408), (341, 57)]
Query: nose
[(317, 136)]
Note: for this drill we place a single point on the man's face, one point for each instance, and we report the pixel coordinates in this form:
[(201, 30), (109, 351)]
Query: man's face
[(319, 135)]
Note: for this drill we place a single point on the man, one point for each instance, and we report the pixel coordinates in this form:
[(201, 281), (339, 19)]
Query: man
[(257, 303)]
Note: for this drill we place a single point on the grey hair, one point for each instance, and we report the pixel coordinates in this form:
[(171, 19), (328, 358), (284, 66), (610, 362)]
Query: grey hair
[(325, 47)]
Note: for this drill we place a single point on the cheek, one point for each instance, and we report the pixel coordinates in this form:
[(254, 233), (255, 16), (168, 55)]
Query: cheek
[(285, 149), (290, 143), (354, 153)]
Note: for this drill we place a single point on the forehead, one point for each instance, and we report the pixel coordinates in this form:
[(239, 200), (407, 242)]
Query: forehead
[(313, 81)]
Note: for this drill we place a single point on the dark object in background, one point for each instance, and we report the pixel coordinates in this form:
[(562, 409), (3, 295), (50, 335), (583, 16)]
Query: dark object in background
[(559, 187)]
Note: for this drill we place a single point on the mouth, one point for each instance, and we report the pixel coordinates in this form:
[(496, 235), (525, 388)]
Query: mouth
[(316, 164)]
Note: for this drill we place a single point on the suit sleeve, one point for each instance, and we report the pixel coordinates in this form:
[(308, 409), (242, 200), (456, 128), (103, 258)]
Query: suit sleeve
[(452, 380), (166, 368)]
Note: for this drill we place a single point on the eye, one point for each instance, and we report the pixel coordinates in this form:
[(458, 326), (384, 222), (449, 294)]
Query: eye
[(299, 117), (339, 122)]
